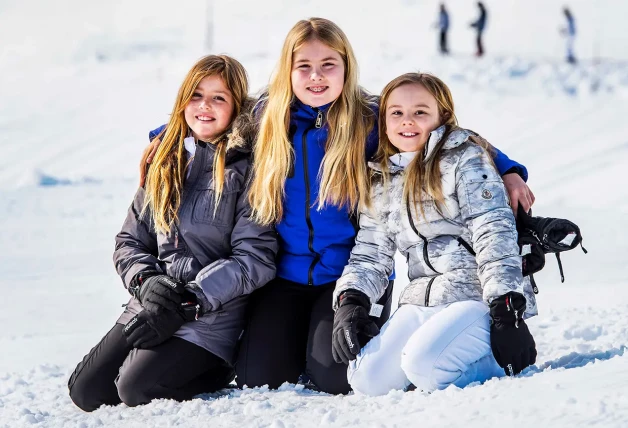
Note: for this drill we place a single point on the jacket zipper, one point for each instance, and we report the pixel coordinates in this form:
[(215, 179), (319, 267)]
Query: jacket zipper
[(319, 119), (427, 291), (308, 220), (426, 257)]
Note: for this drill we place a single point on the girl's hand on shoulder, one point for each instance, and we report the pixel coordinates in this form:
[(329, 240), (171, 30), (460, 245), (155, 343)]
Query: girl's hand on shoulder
[(147, 158), (519, 192)]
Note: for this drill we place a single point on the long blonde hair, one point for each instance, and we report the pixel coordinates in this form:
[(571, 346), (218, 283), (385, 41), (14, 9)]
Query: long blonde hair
[(164, 182), (343, 174), (419, 175)]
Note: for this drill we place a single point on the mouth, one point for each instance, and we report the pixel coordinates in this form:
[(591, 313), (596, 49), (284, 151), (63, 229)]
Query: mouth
[(317, 89), (408, 134), (204, 118)]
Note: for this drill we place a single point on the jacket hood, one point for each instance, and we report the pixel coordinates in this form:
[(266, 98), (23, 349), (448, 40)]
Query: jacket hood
[(243, 131)]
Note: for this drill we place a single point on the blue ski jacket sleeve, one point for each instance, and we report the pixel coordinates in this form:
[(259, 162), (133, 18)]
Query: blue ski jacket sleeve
[(155, 132), (504, 164)]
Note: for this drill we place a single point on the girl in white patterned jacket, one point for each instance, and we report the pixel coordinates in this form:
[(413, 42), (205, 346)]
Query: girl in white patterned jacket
[(438, 199)]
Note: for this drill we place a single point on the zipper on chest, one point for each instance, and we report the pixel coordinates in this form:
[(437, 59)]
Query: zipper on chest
[(308, 203), (319, 120)]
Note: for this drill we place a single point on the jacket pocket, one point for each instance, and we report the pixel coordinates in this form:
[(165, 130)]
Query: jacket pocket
[(484, 192), (205, 210)]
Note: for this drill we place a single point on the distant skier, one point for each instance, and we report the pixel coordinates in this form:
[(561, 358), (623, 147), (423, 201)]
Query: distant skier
[(479, 25), (443, 28), (570, 34)]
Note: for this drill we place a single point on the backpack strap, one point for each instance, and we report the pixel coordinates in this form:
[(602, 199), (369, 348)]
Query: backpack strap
[(533, 283), (560, 267)]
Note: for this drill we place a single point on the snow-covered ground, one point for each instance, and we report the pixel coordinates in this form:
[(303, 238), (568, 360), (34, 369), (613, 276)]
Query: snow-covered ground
[(81, 82)]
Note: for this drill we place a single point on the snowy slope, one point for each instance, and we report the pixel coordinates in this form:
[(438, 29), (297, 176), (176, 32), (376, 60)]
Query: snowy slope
[(81, 82)]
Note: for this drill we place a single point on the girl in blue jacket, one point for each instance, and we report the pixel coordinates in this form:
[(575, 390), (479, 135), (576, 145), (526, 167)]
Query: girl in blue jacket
[(317, 130)]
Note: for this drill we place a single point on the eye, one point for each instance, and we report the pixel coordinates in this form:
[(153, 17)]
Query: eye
[(196, 95), (395, 113), (328, 64), (219, 98), (419, 112), (304, 66)]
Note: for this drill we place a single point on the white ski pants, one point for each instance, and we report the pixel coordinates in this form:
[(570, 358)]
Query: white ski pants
[(430, 347)]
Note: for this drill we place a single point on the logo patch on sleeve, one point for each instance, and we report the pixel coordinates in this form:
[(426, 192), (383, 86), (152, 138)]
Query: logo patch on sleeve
[(486, 194)]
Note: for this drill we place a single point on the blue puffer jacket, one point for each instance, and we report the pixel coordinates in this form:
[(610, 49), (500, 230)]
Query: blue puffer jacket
[(315, 244)]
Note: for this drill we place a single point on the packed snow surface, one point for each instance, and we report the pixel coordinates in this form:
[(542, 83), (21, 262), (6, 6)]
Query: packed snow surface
[(82, 82)]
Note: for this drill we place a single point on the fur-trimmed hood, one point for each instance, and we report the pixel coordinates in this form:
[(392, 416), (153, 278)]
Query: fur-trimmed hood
[(243, 130)]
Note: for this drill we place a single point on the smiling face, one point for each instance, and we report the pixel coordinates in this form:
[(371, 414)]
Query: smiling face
[(208, 114), (411, 114), (318, 74)]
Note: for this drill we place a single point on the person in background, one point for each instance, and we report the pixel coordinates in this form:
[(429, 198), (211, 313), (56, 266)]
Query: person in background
[(443, 28), (569, 32), (480, 24)]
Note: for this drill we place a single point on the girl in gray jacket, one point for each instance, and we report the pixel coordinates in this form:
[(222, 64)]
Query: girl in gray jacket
[(438, 199), (188, 253)]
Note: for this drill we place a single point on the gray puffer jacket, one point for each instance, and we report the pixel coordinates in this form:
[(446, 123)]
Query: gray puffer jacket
[(441, 270), (224, 257)]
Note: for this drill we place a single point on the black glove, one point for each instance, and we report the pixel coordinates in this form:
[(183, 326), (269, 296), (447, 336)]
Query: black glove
[(352, 326), (512, 344), (155, 290), (150, 328)]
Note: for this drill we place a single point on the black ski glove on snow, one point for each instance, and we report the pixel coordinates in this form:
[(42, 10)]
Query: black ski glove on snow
[(150, 328), (155, 290), (352, 326), (512, 344)]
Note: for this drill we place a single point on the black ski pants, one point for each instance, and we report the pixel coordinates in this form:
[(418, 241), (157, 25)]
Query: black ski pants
[(289, 333), (114, 372)]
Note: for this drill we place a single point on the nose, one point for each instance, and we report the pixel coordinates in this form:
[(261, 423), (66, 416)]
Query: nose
[(407, 120), (204, 104), (317, 74)]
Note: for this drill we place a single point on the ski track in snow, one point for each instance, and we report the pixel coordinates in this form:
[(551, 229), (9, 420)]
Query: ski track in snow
[(71, 142)]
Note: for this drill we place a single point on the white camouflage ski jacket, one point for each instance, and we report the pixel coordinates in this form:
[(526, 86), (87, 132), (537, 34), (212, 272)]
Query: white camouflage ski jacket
[(441, 270)]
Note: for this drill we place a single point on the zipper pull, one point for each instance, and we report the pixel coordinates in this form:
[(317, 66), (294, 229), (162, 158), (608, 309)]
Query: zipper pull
[(319, 119), (198, 311), (176, 238)]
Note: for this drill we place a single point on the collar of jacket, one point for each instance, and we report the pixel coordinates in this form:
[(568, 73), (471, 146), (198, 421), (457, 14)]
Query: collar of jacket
[(301, 110), (456, 137)]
